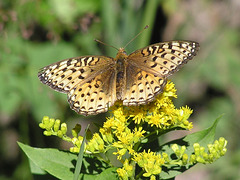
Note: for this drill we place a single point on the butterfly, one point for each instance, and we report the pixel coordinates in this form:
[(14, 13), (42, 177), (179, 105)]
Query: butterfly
[(94, 83)]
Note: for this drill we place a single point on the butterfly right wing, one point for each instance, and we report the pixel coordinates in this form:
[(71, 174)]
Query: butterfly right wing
[(96, 95), (83, 76), (141, 86), (163, 59)]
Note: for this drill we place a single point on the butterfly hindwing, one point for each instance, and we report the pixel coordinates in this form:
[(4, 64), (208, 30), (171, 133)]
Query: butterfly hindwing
[(94, 96), (141, 86)]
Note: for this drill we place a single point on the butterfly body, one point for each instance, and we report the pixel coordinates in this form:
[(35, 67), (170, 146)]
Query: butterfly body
[(94, 83), (121, 63)]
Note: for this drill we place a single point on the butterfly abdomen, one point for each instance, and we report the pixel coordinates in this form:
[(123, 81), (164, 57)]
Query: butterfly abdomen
[(121, 73)]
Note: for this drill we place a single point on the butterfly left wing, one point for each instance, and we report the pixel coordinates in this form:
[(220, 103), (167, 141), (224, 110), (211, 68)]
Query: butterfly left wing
[(149, 67)]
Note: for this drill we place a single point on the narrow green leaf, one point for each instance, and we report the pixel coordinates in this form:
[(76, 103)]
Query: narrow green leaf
[(110, 24), (148, 19), (80, 156)]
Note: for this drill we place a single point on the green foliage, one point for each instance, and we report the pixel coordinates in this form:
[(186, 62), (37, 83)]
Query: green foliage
[(61, 164), (128, 129)]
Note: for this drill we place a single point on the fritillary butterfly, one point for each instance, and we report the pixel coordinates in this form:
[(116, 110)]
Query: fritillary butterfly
[(94, 83)]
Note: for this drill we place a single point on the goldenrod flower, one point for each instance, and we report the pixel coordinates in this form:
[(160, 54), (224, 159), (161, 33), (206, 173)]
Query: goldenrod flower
[(126, 171), (128, 128), (150, 162)]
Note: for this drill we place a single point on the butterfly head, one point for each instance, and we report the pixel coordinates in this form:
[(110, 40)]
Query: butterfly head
[(121, 54)]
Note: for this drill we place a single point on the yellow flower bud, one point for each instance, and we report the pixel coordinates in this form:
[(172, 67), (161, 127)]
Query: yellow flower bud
[(165, 157), (56, 125), (205, 155), (45, 120), (74, 149), (185, 159), (47, 133), (42, 125), (152, 177), (175, 148), (64, 128), (223, 151), (51, 122), (222, 142), (201, 149), (200, 160), (183, 149), (60, 134), (192, 159)]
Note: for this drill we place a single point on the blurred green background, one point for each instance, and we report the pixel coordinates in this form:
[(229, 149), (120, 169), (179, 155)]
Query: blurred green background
[(36, 33)]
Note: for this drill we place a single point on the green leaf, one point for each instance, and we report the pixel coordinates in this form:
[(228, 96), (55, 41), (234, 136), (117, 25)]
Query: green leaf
[(80, 157), (55, 162), (61, 164), (204, 138), (109, 173), (35, 169)]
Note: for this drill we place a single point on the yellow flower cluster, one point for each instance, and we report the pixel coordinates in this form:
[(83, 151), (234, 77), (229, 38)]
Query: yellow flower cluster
[(160, 113), (215, 151), (54, 128), (150, 162), (123, 131), (128, 128), (126, 171)]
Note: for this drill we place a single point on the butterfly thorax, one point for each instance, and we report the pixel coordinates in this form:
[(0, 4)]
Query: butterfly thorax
[(120, 72)]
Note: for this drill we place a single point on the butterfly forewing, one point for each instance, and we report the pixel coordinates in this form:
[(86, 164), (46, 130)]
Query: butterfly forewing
[(163, 59), (66, 74)]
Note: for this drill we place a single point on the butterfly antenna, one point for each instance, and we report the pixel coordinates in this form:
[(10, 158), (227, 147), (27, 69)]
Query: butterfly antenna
[(136, 36), (105, 44)]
